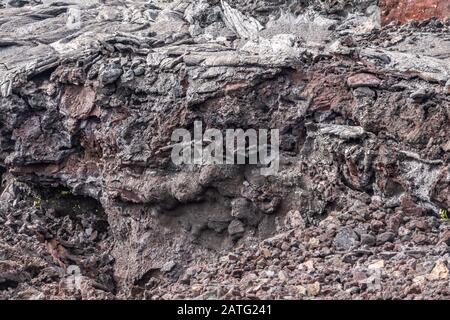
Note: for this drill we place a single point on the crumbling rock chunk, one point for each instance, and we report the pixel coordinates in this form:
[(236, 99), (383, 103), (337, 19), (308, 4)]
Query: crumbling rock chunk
[(244, 209), (236, 228), (345, 239), (88, 112), (385, 237), (110, 74), (363, 80)]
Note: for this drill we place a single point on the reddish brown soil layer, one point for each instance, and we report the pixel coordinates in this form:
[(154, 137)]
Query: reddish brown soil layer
[(407, 10)]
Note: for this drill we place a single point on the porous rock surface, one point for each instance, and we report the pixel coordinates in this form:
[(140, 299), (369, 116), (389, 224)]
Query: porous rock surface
[(92, 206), (407, 10)]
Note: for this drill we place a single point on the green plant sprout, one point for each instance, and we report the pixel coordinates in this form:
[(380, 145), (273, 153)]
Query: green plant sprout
[(37, 201), (443, 215)]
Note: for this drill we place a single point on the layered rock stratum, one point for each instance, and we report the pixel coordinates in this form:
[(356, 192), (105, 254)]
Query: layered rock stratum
[(92, 206)]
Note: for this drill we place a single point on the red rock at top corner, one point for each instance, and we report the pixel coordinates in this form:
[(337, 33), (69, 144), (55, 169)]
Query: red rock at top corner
[(407, 10)]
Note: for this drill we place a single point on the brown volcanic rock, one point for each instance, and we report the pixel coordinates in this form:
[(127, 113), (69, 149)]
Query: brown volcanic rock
[(86, 118), (407, 10)]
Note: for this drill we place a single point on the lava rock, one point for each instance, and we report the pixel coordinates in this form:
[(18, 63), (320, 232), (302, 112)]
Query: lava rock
[(367, 239), (18, 3), (385, 237), (440, 271), (243, 209), (445, 237), (421, 94), (110, 74), (345, 239), (168, 266), (363, 80), (236, 228)]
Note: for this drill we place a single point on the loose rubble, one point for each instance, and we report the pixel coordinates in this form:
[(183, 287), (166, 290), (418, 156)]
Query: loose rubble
[(91, 206)]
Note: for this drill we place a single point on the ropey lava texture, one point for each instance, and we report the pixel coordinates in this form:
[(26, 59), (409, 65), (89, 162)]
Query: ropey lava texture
[(86, 118)]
